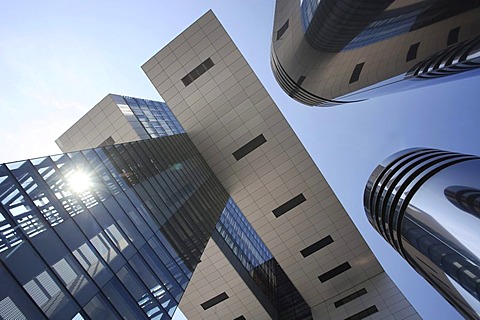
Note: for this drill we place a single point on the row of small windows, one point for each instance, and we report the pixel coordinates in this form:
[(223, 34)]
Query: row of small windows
[(289, 205), (411, 54)]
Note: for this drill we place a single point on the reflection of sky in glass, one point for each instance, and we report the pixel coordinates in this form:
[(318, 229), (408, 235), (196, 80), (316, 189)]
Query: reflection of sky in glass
[(71, 203), (384, 29), (308, 8), (460, 225), (468, 297), (157, 119), (239, 234)]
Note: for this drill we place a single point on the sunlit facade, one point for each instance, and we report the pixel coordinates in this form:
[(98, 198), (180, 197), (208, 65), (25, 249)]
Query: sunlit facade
[(425, 203), (99, 234), (232, 233)]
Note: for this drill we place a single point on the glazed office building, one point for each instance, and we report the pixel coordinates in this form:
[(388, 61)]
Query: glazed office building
[(331, 52), (106, 233), (426, 204), (135, 119)]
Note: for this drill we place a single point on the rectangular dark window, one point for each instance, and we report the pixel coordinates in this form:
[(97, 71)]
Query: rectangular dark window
[(350, 297), (316, 246), (356, 72), (108, 142), (363, 314), (300, 80), (289, 205), (412, 52), (197, 72), (453, 36), (214, 301), (282, 30), (334, 272), (240, 318), (249, 147)]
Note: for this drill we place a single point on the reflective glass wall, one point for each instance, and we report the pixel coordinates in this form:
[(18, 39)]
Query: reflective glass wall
[(112, 232), (156, 117), (424, 202), (260, 264)]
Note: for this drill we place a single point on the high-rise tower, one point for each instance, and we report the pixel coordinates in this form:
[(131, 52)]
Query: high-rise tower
[(425, 203), (331, 52)]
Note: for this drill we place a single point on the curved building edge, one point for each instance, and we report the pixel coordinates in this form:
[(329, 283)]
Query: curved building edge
[(425, 203), (325, 54)]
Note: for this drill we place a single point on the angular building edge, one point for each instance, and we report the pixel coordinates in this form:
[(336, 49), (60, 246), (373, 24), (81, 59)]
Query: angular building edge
[(224, 108)]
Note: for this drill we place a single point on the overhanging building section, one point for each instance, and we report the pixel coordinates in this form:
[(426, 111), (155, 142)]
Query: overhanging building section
[(255, 154)]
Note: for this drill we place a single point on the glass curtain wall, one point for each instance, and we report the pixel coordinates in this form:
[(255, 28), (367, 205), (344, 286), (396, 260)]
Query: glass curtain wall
[(102, 233), (265, 271)]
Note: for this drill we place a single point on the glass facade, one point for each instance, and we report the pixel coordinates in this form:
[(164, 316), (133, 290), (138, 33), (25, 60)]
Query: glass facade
[(411, 41), (424, 202), (156, 117), (117, 231), (112, 232), (255, 257), (240, 237), (387, 22), (308, 8)]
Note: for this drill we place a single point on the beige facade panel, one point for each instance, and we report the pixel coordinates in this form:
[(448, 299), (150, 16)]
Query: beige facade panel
[(213, 277), (110, 120), (225, 110)]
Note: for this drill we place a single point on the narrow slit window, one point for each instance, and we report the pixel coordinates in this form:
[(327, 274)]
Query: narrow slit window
[(249, 147), (350, 297), (363, 314), (334, 272), (453, 36), (300, 80), (316, 246), (214, 301), (282, 30), (197, 72), (289, 205), (412, 52), (356, 72)]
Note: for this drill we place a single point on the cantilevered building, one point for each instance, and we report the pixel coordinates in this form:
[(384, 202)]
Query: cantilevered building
[(259, 160), (244, 225), (329, 52)]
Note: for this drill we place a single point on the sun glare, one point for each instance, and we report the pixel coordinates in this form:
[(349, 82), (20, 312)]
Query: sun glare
[(79, 181)]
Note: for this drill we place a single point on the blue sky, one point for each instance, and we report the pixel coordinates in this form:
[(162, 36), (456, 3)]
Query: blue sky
[(59, 58)]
